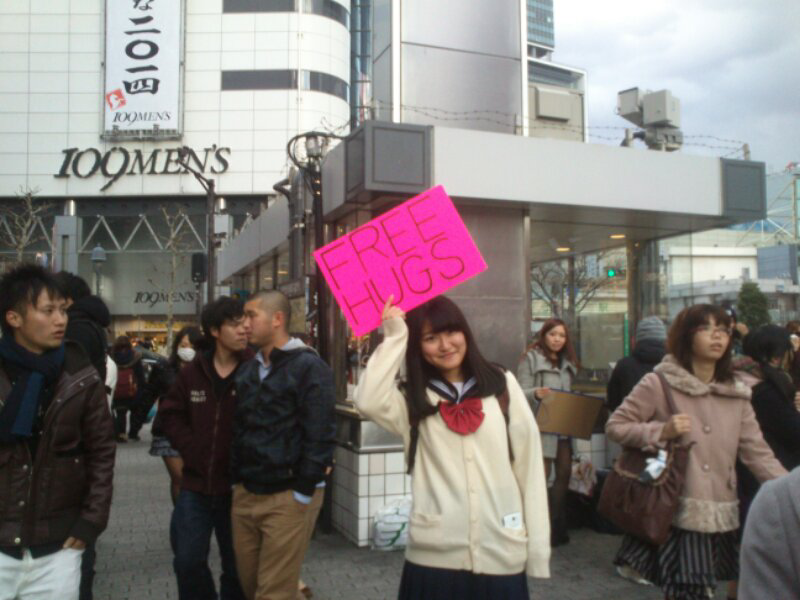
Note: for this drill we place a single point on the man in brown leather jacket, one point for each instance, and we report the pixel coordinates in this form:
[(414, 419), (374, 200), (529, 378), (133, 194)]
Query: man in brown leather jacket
[(56, 443)]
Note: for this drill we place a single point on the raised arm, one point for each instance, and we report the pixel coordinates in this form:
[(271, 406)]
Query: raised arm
[(377, 396)]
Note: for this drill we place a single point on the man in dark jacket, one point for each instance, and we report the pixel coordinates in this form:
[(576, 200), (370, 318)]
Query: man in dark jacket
[(56, 443), (283, 443), (196, 416), (88, 318), (648, 351)]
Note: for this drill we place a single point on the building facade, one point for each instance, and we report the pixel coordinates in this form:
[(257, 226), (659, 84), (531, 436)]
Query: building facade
[(97, 98)]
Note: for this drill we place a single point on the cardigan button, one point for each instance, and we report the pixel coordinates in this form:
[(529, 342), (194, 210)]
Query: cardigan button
[(706, 468), (17, 541), (706, 428)]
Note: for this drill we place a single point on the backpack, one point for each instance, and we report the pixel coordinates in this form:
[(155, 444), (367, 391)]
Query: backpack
[(126, 384), (503, 400)]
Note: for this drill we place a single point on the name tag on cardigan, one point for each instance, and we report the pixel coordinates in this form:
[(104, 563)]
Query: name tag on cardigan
[(513, 521)]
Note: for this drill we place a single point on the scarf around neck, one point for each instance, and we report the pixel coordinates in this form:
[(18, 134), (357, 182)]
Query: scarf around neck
[(36, 370)]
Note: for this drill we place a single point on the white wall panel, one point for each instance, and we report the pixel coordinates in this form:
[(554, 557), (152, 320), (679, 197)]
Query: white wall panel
[(14, 42), (236, 140), (85, 123), (272, 40), (273, 21), (14, 122), (208, 62), (199, 7), (83, 7), (238, 100), (85, 62), (13, 82), (238, 41), (89, 83), (49, 23), (43, 143), (203, 42), (238, 60), (14, 23), (201, 101), (86, 24), (86, 42), (13, 102), (14, 164), (15, 61), (13, 143), (201, 121), (47, 61), (48, 7), (203, 23)]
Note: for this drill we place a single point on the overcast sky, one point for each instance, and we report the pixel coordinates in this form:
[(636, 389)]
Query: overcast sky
[(734, 65)]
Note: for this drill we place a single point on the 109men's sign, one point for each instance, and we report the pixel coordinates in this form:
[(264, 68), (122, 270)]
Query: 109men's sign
[(118, 161)]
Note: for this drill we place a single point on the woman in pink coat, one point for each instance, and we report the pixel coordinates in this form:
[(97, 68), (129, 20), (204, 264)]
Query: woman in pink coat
[(714, 413)]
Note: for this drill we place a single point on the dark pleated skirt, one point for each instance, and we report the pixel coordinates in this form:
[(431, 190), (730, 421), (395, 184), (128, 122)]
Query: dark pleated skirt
[(429, 583), (688, 565)]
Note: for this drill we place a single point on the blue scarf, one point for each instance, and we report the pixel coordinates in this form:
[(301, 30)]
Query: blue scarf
[(19, 411)]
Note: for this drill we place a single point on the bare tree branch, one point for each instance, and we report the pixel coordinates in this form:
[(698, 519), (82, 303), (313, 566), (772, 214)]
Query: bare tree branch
[(177, 242), (21, 222)]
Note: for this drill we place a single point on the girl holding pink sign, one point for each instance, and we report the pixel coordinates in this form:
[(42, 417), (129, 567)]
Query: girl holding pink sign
[(479, 521)]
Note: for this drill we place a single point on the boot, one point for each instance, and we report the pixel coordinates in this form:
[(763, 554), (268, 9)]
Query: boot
[(558, 532)]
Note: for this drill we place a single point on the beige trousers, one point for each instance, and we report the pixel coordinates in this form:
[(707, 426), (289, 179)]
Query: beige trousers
[(271, 533)]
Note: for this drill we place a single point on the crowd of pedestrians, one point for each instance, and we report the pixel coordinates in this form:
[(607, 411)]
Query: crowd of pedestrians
[(244, 423)]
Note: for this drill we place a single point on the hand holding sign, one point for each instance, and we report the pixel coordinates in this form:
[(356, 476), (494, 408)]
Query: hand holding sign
[(390, 311), (413, 252)]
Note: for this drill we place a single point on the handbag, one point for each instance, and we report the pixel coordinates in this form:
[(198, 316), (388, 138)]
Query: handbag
[(645, 510)]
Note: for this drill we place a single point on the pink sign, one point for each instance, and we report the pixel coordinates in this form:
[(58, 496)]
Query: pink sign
[(415, 251)]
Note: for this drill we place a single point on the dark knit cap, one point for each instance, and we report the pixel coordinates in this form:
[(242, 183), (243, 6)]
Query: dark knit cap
[(651, 328)]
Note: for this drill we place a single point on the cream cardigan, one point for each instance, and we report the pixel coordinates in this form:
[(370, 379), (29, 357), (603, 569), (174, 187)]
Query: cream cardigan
[(465, 489)]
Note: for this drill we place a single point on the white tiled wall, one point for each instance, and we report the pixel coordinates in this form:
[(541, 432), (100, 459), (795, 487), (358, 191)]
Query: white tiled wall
[(362, 485)]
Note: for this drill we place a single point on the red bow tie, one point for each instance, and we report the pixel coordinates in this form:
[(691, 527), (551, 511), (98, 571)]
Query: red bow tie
[(464, 417)]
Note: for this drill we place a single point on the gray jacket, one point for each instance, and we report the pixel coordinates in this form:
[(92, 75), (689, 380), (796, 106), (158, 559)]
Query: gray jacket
[(536, 371), (770, 560)]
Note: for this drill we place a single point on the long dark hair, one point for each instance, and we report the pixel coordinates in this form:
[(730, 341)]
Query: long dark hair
[(681, 337), (567, 352), (195, 337), (765, 344), (443, 315)]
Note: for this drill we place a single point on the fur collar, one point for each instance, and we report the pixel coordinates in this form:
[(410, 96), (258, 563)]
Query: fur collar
[(683, 381)]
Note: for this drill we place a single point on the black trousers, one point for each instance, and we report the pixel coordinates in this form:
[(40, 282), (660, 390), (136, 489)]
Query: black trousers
[(87, 572)]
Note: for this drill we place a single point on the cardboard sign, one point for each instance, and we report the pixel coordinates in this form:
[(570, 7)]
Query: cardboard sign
[(415, 251), (566, 413)]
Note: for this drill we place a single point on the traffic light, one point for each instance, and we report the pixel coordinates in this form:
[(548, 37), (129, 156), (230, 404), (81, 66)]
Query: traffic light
[(615, 273)]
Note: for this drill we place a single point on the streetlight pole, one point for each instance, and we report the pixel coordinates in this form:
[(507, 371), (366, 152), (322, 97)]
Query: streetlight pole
[(209, 186)]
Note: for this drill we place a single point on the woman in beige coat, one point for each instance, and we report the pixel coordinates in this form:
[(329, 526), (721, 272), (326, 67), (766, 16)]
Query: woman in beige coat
[(550, 363), (716, 416)]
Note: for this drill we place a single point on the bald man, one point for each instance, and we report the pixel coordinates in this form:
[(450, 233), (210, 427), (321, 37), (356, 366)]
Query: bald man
[(283, 443)]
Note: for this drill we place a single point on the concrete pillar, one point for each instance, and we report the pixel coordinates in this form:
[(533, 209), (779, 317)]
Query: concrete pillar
[(497, 302), (65, 244)]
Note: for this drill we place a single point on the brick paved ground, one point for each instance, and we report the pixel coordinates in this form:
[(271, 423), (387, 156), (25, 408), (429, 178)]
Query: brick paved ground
[(134, 557)]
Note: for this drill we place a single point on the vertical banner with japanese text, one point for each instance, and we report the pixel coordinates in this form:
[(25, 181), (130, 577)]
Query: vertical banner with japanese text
[(142, 68)]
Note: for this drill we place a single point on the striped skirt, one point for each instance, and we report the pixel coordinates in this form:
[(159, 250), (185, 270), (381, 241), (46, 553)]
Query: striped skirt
[(430, 583), (688, 565)]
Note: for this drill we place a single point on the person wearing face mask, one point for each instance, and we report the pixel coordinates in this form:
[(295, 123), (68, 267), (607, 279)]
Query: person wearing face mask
[(161, 379), (197, 417), (550, 362)]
